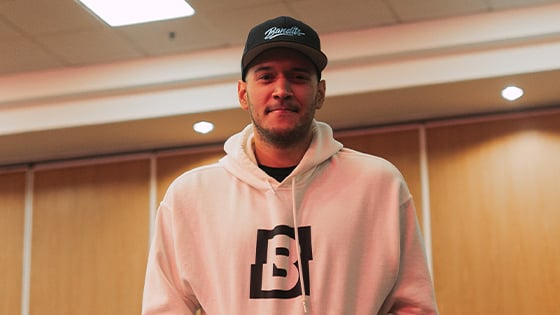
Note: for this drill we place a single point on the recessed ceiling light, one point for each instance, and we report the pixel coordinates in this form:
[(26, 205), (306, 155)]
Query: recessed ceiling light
[(126, 12), (203, 127), (512, 93)]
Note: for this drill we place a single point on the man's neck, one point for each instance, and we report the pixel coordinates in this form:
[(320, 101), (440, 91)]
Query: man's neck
[(273, 156)]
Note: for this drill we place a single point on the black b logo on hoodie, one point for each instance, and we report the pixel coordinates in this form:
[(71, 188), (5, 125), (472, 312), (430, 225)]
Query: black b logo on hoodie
[(275, 273)]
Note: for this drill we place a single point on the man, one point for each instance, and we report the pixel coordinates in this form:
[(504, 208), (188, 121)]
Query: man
[(289, 221)]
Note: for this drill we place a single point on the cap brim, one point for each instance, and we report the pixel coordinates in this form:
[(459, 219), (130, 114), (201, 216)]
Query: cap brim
[(318, 58)]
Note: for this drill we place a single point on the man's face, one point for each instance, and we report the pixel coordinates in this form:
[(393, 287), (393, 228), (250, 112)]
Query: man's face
[(281, 93)]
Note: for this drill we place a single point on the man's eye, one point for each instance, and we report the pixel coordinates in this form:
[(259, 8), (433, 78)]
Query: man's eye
[(301, 77), (265, 77)]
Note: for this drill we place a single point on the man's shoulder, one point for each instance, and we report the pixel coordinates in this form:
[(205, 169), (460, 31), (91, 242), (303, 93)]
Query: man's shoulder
[(349, 153), (199, 173), (364, 160)]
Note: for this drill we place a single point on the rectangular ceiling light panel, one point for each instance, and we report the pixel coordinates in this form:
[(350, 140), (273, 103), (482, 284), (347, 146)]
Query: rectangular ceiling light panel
[(126, 12)]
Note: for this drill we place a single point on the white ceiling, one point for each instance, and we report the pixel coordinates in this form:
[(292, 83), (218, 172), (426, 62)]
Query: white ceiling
[(71, 86)]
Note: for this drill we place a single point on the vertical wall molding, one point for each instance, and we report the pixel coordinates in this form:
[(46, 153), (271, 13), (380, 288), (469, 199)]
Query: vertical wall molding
[(153, 196), (27, 240), (425, 186)]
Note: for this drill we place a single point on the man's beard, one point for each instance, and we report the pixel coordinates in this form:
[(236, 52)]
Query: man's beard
[(286, 138)]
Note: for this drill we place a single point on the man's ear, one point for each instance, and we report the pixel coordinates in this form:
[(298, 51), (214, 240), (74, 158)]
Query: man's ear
[(321, 89), (242, 94)]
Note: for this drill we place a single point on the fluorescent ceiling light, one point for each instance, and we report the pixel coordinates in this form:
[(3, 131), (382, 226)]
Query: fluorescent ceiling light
[(512, 93), (126, 12)]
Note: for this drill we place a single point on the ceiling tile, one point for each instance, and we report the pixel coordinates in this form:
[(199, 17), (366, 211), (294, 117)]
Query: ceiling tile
[(89, 46), (189, 33), (41, 17), (205, 5), (408, 11), (21, 55), (234, 24), (7, 31), (361, 14), (506, 4)]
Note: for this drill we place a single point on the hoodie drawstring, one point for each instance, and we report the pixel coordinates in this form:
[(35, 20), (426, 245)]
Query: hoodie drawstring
[(300, 271)]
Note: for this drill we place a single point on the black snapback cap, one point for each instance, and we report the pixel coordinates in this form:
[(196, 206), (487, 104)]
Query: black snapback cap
[(283, 32)]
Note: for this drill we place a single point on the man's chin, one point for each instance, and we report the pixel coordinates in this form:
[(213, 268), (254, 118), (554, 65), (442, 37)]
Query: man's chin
[(283, 137)]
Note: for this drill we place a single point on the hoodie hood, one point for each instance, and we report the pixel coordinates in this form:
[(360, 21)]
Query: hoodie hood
[(242, 163)]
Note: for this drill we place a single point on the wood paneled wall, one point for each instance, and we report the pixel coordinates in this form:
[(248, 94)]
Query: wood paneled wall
[(12, 196), (493, 198), (170, 167), (496, 216), (90, 239)]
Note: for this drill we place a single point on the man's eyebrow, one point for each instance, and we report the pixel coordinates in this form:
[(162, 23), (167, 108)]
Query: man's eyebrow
[(300, 69), (294, 69), (262, 68)]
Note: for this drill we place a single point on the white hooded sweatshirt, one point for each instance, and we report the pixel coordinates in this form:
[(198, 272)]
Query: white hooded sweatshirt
[(225, 238)]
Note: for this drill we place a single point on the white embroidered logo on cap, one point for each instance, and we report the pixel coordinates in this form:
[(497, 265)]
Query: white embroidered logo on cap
[(277, 31)]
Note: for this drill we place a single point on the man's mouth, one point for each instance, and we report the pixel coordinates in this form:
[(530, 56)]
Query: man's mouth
[(281, 109)]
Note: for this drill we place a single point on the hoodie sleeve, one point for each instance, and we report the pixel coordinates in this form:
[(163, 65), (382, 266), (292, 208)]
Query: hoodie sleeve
[(164, 292), (413, 292)]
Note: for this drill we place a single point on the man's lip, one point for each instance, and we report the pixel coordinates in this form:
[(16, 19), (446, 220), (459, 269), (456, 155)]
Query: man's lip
[(281, 108)]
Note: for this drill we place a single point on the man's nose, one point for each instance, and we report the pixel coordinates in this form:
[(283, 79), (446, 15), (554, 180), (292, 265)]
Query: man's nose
[(282, 88)]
